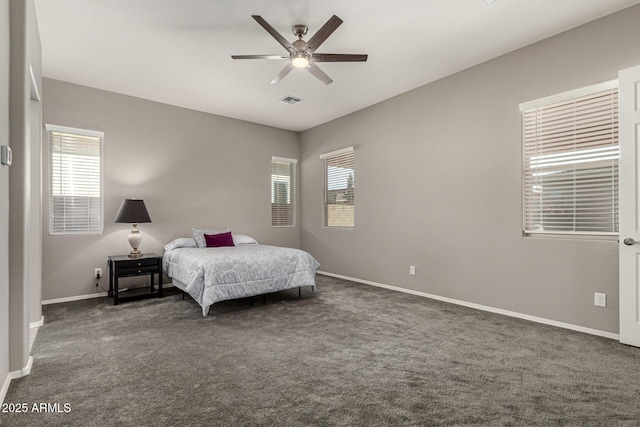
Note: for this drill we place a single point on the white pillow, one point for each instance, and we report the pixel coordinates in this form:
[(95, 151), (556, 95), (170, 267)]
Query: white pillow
[(198, 234), (181, 242), (241, 239)]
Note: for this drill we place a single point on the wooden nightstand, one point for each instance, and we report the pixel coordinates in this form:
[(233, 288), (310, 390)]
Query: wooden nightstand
[(123, 266)]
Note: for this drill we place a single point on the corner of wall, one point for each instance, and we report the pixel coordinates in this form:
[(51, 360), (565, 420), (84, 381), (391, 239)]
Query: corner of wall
[(5, 387)]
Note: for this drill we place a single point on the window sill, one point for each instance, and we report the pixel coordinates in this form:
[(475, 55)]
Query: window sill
[(561, 236)]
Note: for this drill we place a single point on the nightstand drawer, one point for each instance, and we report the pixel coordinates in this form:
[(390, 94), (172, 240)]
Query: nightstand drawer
[(137, 263), (124, 271)]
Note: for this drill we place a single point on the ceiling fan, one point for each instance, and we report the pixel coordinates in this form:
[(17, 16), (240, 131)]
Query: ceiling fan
[(302, 54)]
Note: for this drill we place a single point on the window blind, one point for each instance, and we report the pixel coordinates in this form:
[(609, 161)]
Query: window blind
[(283, 192), (570, 164), (339, 188), (75, 178)]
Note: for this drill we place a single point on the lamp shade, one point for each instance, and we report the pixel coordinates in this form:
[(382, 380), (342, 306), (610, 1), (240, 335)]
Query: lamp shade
[(133, 211)]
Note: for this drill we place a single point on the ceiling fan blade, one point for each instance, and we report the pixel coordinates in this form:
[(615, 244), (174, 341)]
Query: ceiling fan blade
[(316, 71), (286, 70), (323, 33), (276, 35), (339, 57), (260, 56)]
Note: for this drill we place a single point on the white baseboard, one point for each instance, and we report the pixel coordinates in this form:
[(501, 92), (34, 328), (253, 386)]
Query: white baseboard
[(24, 371), (89, 296), (482, 307), (5, 388), (75, 298), (37, 324)]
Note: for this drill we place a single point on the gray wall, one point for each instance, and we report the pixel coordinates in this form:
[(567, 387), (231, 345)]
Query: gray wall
[(25, 242), (192, 169), (438, 185), (4, 193)]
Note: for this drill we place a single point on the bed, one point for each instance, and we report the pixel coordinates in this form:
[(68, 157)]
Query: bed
[(239, 270)]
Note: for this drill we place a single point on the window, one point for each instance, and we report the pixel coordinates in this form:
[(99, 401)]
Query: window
[(339, 188), (283, 192), (75, 181), (570, 162)]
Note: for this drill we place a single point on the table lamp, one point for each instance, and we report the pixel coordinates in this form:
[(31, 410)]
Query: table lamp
[(134, 212)]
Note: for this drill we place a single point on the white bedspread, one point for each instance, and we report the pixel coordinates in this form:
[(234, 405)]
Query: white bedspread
[(217, 274)]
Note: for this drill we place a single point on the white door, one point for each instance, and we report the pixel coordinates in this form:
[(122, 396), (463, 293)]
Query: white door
[(629, 246)]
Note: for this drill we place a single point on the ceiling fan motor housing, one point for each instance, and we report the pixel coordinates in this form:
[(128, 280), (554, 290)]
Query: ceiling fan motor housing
[(300, 45), (299, 30)]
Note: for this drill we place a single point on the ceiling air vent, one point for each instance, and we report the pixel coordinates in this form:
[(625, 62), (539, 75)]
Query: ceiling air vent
[(291, 100)]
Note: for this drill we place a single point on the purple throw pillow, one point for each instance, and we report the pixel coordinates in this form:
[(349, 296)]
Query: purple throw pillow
[(217, 240)]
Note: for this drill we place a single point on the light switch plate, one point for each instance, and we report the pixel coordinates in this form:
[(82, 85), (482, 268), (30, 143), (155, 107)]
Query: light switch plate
[(6, 156)]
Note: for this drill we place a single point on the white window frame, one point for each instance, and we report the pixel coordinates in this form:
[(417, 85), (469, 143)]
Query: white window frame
[(347, 219), (284, 217), (87, 183), (566, 160)]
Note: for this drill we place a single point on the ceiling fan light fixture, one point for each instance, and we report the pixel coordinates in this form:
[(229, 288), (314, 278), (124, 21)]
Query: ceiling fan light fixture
[(300, 60)]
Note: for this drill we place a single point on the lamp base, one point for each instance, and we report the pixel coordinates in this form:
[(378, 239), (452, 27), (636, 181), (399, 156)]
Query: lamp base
[(134, 240)]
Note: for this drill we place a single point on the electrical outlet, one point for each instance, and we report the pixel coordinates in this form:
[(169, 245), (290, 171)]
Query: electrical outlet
[(600, 300), (412, 270), (97, 272)]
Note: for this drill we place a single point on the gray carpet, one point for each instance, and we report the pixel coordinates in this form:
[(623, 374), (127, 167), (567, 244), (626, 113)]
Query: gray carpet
[(349, 354)]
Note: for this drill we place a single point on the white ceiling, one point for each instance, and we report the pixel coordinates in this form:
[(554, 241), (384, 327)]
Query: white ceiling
[(179, 52)]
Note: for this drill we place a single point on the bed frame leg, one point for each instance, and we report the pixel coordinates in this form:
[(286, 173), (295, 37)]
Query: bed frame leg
[(313, 289), (182, 295), (299, 291)]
